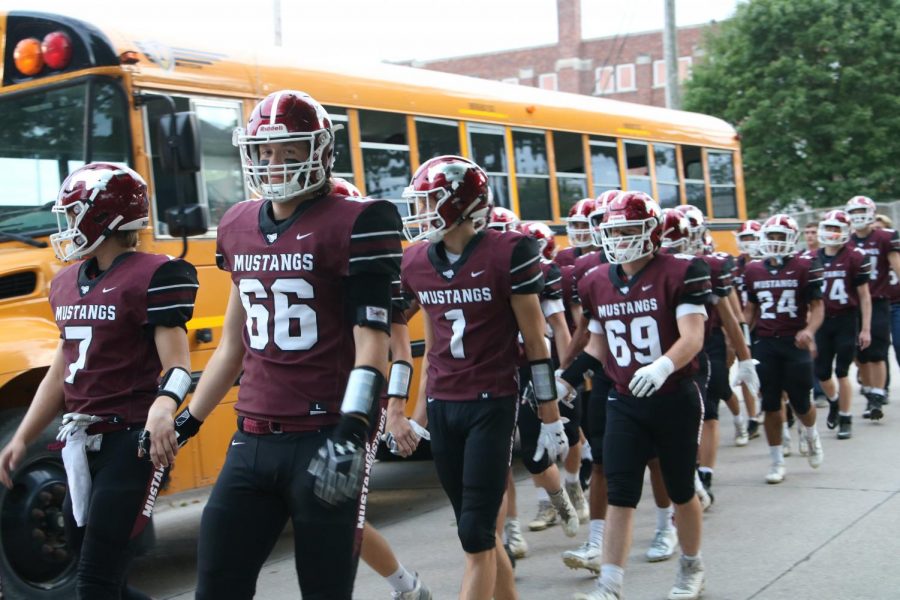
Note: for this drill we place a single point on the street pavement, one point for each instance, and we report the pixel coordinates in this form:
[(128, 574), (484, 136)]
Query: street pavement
[(829, 533)]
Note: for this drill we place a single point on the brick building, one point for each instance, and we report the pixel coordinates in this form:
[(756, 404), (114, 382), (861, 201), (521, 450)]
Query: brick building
[(627, 67)]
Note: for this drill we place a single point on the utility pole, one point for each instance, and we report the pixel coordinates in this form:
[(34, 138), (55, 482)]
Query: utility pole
[(670, 52), (276, 8)]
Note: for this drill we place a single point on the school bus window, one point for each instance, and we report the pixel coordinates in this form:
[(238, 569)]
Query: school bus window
[(437, 137), (721, 184), (343, 163), (637, 163), (163, 179), (604, 164), (692, 170), (571, 181), (532, 175), (488, 147), (385, 155), (42, 140), (666, 175), (222, 183)]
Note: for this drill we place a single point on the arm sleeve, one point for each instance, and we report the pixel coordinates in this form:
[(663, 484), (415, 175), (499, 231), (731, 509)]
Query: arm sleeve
[(552, 284), (725, 281), (895, 241), (171, 294), (697, 288), (863, 267), (399, 303), (375, 241), (525, 268), (222, 260), (814, 281)]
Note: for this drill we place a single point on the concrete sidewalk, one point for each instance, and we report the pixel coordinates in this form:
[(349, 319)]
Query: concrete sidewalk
[(831, 533)]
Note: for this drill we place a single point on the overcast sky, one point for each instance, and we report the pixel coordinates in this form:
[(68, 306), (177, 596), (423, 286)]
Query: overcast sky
[(365, 30)]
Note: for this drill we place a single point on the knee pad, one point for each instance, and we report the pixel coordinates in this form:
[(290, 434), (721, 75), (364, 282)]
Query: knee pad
[(476, 533)]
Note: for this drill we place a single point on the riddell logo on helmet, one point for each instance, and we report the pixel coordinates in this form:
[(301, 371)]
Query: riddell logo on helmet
[(272, 128)]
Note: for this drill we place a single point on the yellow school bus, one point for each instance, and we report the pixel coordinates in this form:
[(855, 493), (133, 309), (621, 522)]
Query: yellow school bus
[(74, 92)]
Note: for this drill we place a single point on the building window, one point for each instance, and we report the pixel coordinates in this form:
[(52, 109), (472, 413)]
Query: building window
[(488, 147), (666, 176), (685, 64), (343, 166), (385, 152), (721, 184), (605, 165), (512, 80), (625, 80), (547, 81), (532, 175), (637, 165), (604, 81), (692, 170), (571, 180)]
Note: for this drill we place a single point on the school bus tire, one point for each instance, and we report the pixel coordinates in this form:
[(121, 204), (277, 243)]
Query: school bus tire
[(35, 561)]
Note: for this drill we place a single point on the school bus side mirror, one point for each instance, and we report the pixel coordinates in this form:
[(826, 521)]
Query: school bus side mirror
[(186, 221), (179, 151)]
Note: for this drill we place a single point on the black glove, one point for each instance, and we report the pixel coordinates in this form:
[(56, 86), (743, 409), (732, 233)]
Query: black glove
[(338, 468), (186, 427)]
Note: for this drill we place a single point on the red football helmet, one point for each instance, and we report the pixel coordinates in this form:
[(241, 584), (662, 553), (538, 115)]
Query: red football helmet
[(601, 203), (696, 226), (339, 185), (861, 210), (709, 245), (480, 216), (631, 210), (748, 238), (287, 117), (778, 224), (676, 234), (93, 202), (544, 236), (503, 219), (444, 192), (578, 223), (834, 219)]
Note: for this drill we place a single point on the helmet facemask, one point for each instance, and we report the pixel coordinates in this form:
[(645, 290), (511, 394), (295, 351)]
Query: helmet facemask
[(771, 248), (861, 216), (292, 178), (828, 237), (425, 221), (748, 243), (621, 249)]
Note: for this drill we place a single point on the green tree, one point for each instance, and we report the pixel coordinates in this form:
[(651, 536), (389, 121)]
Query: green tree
[(813, 87)]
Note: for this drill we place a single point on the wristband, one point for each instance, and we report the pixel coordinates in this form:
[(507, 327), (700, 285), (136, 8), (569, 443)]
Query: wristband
[(584, 362), (363, 388), (399, 379), (543, 380), (175, 384)]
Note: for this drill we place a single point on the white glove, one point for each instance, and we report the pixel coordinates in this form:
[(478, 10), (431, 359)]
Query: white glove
[(746, 374), (565, 393), (553, 441), (647, 380)]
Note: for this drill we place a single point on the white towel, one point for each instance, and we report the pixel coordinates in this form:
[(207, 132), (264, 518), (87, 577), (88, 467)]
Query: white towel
[(73, 432)]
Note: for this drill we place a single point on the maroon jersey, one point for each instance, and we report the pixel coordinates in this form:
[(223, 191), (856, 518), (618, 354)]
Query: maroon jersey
[(106, 322), (842, 274), (567, 256), (583, 264), (567, 284), (721, 272), (640, 317), (473, 350), (292, 277), (783, 293), (737, 277), (894, 287), (877, 245)]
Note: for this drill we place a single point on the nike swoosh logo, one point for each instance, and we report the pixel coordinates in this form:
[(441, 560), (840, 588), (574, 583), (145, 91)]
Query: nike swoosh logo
[(233, 443), (477, 273), (303, 235), (644, 288), (109, 289)]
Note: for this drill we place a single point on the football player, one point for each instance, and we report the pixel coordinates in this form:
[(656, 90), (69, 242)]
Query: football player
[(478, 291), (647, 310), (503, 219), (848, 310), (308, 321), (113, 298), (578, 230), (884, 222), (785, 309), (883, 249), (747, 238)]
